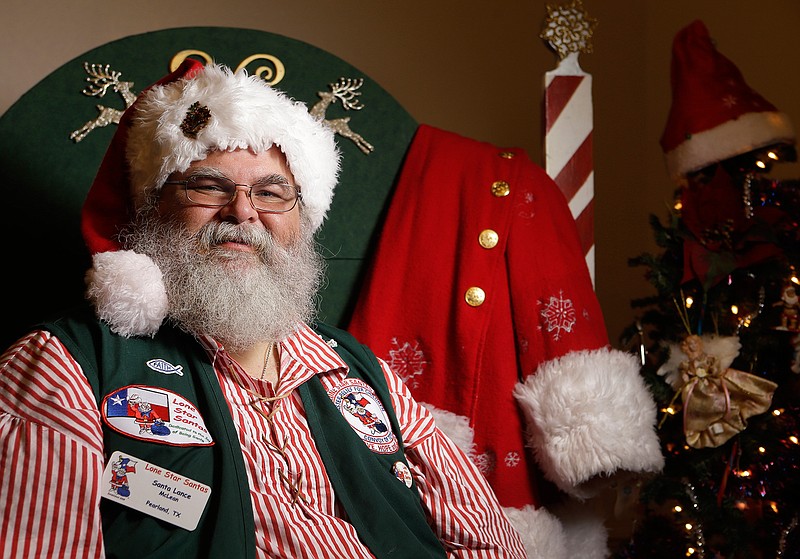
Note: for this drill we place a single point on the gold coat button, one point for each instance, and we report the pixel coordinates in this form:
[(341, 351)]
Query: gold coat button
[(488, 238), (507, 154), (500, 188), (475, 296)]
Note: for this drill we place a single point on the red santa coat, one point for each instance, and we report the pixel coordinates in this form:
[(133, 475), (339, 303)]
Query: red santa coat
[(479, 297)]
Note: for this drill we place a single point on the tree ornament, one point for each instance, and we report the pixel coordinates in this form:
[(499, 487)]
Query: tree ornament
[(717, 399), (790, 308)]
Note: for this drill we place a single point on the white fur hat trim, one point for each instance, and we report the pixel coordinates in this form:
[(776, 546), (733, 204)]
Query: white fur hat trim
[(245, 112)]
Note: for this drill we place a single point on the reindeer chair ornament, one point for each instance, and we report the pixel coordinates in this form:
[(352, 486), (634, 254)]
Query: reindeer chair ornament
[(100, 79), (346, 90)]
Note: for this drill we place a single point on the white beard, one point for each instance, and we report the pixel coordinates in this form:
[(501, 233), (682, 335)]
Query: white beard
[(238, 298)]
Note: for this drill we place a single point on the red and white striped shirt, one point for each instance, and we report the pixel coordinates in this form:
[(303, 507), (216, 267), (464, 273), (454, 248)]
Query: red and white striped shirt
[(51, 460)]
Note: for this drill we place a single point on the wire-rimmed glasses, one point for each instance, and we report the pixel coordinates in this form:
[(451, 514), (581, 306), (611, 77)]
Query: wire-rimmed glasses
[(216, 191)]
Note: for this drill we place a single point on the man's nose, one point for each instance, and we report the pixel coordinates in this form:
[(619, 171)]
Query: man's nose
[(239, 209)]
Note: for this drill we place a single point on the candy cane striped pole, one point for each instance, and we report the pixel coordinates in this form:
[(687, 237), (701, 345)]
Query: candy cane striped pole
[(568, 144)]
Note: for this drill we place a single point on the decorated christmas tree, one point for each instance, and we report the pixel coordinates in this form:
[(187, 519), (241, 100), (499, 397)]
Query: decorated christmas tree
[(720, 338)]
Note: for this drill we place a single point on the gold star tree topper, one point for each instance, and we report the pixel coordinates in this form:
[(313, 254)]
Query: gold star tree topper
[(568, 29)]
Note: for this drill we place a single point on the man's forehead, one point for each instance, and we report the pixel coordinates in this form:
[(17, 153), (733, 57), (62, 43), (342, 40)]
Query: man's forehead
[(244, 158)]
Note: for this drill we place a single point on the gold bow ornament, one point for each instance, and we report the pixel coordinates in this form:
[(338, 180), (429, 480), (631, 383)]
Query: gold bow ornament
[(717, 400)]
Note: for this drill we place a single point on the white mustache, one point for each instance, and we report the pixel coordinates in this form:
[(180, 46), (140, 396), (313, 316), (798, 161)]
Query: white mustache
[(217, 233)]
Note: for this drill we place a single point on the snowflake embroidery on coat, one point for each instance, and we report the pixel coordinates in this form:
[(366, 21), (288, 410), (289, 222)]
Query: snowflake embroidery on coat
[(512, 459), (485, 462), (526, 207), (407, 361), (559, 315)]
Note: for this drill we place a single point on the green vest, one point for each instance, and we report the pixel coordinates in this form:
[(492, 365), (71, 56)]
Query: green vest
[(387, 515)]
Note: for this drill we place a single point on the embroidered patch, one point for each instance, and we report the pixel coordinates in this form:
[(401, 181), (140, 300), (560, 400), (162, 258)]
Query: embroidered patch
[(165, 367), (559, 315), (153, 414), (362, 409)]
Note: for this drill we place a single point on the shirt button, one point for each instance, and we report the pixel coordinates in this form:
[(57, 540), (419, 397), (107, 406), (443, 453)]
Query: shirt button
[(488, 238), (475, 296), (500, 188)]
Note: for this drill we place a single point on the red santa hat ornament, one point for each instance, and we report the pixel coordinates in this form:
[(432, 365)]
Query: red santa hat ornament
[(714, 115), (178, 120)]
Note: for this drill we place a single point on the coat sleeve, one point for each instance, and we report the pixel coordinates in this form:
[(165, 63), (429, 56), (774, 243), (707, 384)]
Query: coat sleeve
[(588, 411)]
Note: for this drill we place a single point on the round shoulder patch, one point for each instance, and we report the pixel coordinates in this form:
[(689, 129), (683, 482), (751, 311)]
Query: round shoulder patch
[(362, 409)]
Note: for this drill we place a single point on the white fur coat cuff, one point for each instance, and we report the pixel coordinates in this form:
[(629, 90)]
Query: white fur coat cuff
[(589, 414)]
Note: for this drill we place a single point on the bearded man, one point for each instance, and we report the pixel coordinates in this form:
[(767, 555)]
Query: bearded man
[(201, 225)]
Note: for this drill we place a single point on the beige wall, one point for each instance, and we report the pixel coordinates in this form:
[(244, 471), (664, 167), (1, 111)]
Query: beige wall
[(476, 68)]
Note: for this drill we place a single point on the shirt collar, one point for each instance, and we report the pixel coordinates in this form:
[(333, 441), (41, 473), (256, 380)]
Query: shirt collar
[(309, 349), (303, 347)]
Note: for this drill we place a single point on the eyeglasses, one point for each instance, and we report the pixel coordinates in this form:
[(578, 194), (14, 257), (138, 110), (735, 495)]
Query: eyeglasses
[(206, 190)]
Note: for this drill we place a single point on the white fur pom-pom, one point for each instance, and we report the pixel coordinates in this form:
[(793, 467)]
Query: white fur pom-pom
[(127, 291)]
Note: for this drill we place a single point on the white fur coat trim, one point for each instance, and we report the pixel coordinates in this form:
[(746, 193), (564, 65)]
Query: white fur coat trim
[(575, 532), (456, 427), (588, 414)]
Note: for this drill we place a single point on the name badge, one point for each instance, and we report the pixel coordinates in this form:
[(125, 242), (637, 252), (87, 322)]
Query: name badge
[(154, 490)]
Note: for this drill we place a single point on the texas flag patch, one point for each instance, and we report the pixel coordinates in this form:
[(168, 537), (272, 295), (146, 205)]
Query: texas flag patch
[(154, 414)]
